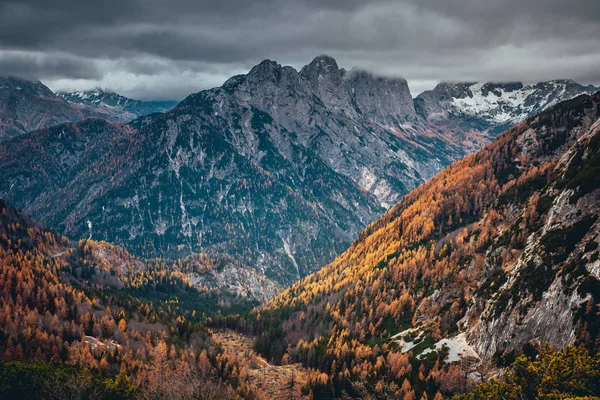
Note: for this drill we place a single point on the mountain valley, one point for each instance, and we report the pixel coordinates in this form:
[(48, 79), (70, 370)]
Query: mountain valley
[(314, 233)]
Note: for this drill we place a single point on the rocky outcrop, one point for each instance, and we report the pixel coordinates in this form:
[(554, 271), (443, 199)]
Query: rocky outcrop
[(549, 295), (234, 278)]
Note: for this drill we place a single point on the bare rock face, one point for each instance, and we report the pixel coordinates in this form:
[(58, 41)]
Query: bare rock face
[(358, 93), (359, 124), (549, 295), (237, 279)]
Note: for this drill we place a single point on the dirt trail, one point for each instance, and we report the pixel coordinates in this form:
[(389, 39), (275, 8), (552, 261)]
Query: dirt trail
[(275, 381), (62, 253)]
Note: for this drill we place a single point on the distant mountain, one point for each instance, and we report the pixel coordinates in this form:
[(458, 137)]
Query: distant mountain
[(494, 107), (26, 106), (490, 258), (114, 102)]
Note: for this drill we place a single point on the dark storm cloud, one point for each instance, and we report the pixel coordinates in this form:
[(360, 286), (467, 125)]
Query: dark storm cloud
[(155, 48), (33, 66)]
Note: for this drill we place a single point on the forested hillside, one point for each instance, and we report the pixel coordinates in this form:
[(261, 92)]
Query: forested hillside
[(493, 256), (87, 320)]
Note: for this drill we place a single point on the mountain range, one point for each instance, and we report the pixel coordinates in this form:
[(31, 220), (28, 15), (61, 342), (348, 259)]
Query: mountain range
[(279, 168), (493, 107)]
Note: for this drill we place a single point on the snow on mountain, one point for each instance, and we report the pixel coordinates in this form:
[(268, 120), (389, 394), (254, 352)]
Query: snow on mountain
[(124, 108), (500, 104), (494, 107)]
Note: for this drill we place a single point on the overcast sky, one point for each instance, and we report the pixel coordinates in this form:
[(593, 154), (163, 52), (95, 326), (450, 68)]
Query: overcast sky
[(154, 49)]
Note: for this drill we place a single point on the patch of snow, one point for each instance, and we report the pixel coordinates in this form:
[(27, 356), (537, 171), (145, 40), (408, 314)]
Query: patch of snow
[(405, 332), (493, 105), (404, 345), (458, 348), (288, 251)]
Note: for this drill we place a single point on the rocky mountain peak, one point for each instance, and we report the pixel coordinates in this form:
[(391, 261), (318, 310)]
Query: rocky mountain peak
[(321, 67), (453, 89), (384, 99), (266, 69), (325, 62), (358, 93)]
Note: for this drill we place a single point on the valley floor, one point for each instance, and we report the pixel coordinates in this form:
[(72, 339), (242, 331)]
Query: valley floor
[(274, 381)]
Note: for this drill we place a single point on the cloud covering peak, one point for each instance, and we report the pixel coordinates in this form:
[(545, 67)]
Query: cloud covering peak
[(155, 49)]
